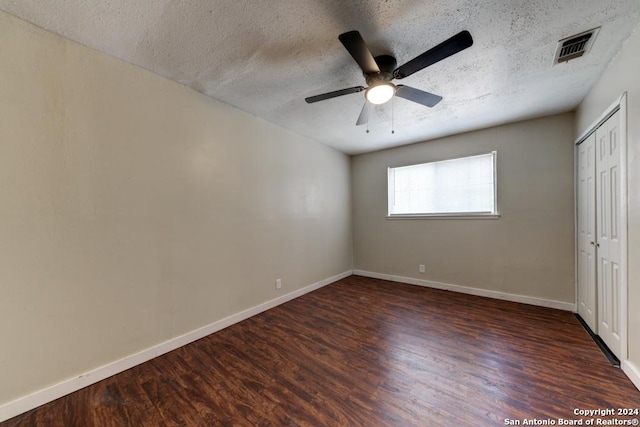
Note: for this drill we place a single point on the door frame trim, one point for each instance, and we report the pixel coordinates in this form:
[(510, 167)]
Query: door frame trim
[(619, 104)]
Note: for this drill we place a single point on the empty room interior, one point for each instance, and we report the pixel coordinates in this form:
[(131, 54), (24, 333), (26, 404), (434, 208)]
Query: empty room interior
[(319, 212)]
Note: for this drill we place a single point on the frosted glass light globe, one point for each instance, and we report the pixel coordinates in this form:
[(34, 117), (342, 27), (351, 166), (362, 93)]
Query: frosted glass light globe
[(380, 93)]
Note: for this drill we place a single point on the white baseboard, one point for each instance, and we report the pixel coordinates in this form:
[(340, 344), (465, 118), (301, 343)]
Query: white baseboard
[(561, 305), (40, 397), (632, 371)]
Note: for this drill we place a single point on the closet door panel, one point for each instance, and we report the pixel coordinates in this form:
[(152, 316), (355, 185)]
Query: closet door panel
[(608, 248), (586, 232)]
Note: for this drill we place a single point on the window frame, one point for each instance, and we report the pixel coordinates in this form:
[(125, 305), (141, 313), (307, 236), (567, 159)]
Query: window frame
[(453, 215)]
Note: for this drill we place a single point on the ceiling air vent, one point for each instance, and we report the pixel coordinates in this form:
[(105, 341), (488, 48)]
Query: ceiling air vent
[(575, 46)]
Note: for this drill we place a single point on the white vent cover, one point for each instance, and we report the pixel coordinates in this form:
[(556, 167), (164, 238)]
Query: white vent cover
[(575, 46)]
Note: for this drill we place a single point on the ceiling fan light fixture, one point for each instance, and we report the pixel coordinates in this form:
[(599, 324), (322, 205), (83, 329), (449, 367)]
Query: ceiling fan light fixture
[(380, 93)]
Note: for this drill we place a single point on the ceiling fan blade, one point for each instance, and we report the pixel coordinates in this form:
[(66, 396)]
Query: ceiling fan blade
[(416, 95), (363, 118), (356, 46), (449, 47), (333, 94)]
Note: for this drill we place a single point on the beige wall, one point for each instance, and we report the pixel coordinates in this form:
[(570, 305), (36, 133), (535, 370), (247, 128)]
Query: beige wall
[(528, 251), (133, 210), (622, 76)]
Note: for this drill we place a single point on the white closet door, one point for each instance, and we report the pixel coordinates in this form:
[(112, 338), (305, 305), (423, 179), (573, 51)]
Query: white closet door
[(608, 247), (586, 232)]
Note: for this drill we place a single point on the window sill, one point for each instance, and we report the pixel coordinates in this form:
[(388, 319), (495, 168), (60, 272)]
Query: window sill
[(446, 216)]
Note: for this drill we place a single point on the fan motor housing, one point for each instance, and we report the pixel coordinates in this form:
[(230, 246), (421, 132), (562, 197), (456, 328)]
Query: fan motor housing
[(386, 64)]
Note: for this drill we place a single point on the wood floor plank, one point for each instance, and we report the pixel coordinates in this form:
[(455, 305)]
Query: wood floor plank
[(363, 352)]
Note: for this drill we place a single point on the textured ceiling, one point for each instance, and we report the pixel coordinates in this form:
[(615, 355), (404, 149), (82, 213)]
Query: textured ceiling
[(266, 56)]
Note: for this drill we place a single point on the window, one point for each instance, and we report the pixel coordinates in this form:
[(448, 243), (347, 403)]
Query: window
[(463, 187)]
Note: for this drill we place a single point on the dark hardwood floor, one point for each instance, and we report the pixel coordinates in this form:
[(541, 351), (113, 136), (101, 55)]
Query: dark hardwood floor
[(363, 352)]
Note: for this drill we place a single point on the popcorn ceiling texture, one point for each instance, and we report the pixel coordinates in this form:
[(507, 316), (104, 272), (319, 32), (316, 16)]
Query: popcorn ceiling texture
[(265, 57)]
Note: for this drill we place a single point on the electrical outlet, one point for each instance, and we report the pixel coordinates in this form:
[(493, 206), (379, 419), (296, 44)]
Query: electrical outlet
[(278, 284), (421, 268)]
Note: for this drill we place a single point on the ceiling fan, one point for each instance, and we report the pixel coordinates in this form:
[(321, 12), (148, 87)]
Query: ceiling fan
[(379, 71)]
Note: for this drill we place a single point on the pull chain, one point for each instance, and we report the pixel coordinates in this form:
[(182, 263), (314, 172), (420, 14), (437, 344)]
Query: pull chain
[(393, 104)]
